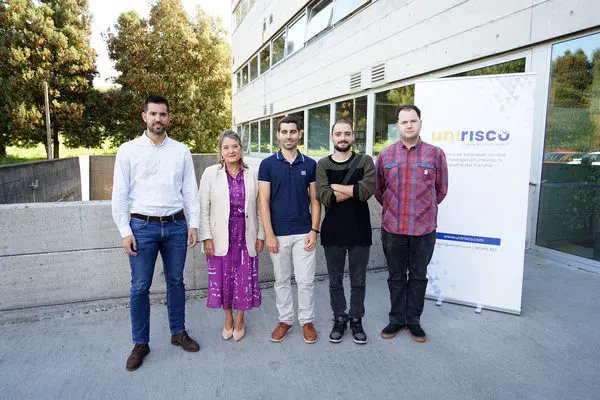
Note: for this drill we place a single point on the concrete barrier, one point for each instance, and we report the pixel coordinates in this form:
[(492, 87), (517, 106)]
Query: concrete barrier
[(102, 166), (40, 181), (68, 253)]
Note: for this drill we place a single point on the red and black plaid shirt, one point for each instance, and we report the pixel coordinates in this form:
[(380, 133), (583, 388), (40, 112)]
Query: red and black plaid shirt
[(410, 185)]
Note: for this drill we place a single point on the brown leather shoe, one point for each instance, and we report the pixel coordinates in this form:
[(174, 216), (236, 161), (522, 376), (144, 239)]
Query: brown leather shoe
[(185, 341), (310, 334), (136, 358), (280, 332)]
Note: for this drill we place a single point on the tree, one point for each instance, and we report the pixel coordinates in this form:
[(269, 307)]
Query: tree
[(44, 41), (186, 61), (570, 123)]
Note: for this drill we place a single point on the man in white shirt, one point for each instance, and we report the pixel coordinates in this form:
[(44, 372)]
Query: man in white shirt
[(154, 180)]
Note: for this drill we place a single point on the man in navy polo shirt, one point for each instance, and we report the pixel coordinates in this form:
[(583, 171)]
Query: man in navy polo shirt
[(291, 214)]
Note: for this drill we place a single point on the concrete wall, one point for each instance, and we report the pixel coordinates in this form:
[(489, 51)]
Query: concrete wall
[(65, 253), (101, 173), (40, 181)]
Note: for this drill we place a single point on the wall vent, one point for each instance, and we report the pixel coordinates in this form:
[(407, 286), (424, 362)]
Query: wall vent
[(378, 73), (271, 108), (264, 110), (355, 81)]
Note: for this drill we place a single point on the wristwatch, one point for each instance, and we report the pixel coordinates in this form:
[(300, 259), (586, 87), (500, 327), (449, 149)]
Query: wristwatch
[(315, 230)]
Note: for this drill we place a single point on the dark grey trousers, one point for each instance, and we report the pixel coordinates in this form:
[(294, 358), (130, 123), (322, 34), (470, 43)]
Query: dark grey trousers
[(358, 258)]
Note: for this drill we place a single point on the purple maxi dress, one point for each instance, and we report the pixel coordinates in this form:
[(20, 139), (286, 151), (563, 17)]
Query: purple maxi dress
[(233, 278)]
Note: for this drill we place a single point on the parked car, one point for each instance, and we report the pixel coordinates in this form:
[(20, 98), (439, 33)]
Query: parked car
[(591, 158), (562, 156)]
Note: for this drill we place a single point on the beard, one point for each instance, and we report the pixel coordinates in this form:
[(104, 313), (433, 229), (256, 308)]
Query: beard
[(342, 147), (157, 129)]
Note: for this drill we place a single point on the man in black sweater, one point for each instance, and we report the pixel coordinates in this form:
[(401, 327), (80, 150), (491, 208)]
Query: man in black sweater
[(345, 181)]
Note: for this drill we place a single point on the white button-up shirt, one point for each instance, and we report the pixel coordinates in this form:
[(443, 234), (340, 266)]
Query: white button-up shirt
[(155, 180)]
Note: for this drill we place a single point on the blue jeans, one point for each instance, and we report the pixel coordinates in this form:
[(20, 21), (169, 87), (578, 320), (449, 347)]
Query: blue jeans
[(170, 239)]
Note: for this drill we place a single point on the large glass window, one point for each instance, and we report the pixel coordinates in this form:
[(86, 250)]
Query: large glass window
[(245, 75), (386, 103), (278, 50), (344, 8), (265, 59), (355, 111), (569, 210), (254, 137), (295, 35), (239, 80), (319, 17), (254, 68), (318, 131), (265, 136)]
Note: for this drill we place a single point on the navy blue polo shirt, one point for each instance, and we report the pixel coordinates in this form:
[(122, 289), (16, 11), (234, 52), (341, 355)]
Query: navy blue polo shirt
[(290, 199)]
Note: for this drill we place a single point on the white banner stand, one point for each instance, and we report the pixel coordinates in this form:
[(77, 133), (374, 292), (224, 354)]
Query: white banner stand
[(484, 125)]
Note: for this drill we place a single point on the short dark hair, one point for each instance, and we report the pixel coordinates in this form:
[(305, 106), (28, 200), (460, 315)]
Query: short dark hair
[(342, 121), (408, 107), (156, 99), (288, 120)]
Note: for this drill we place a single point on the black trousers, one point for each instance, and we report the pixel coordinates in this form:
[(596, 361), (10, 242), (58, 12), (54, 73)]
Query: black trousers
[(358, 258), (407, 259)]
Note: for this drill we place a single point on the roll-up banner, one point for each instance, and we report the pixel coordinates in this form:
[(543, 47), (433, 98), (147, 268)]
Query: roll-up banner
[(484, 125)]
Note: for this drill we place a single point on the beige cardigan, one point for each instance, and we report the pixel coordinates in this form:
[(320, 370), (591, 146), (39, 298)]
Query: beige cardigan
[(214, 209)]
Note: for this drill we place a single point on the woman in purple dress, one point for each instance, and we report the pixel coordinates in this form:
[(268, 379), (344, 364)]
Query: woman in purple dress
[(232, 234)]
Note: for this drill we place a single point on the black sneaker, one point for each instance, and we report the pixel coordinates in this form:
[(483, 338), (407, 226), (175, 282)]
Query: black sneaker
[(339, 330), (391, 330), (417, 333), (358, 334)]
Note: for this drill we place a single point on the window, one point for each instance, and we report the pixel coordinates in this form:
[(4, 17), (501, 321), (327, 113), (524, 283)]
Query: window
[(569, 209), (243, 9), (274, 140), (245, 75), (238, 15), (319, 18), (239, 80), (265, 136), (508, 67), (299, 115), (343, 8), (265, 59), (278, 50), (254, 137), (318, 131), (239, 129), (295, 35), (386, 103), (246, 134), (254, 68), (355, 111)]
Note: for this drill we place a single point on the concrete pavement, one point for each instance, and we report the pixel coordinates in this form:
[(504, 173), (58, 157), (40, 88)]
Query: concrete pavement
[(551, 351)]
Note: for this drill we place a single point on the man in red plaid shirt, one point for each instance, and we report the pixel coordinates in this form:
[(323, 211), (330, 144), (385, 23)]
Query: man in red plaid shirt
[(412, 179)]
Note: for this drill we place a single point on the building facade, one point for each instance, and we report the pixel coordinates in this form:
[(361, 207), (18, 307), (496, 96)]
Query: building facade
[(321, 60)]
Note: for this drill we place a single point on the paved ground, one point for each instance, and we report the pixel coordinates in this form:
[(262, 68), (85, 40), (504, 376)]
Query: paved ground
[(551, 351)]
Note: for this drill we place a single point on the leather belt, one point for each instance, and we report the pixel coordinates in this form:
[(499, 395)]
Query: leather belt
[(169, 218)]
